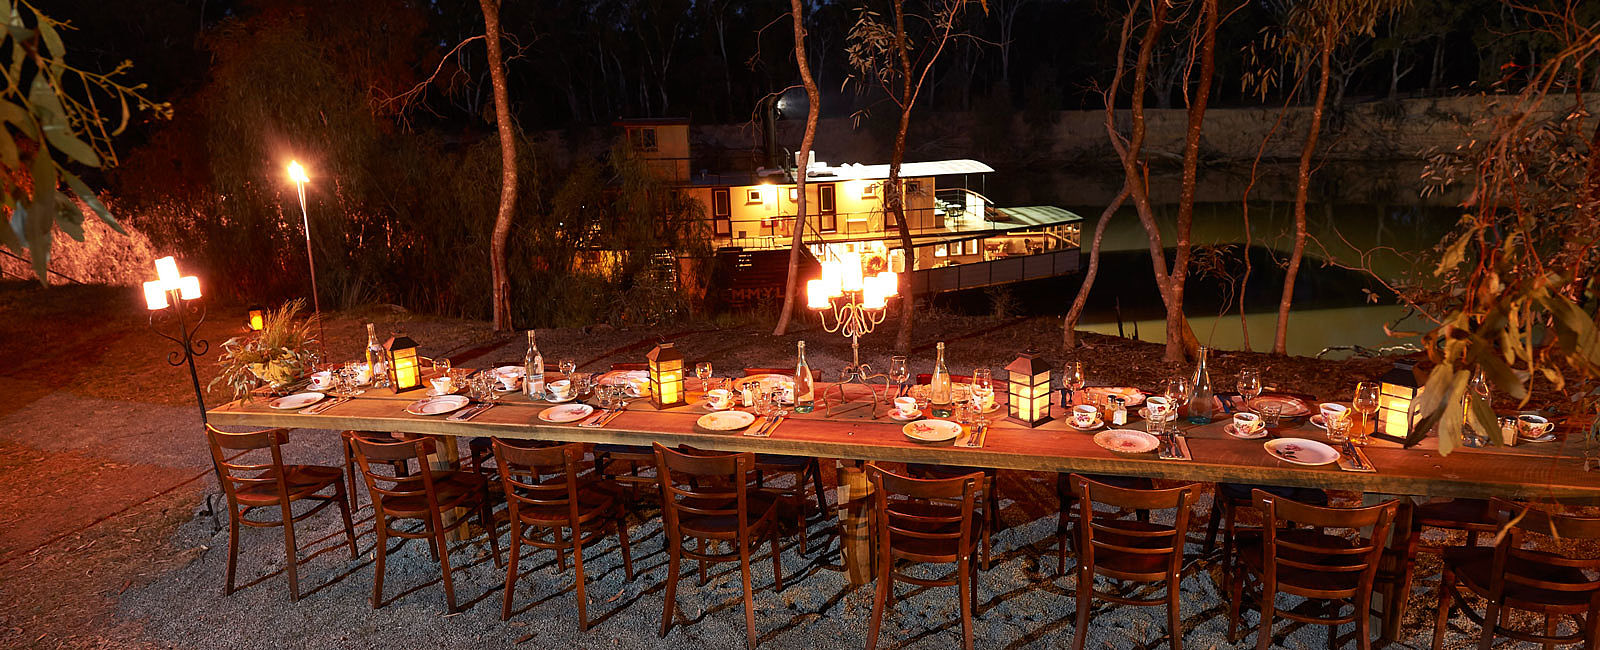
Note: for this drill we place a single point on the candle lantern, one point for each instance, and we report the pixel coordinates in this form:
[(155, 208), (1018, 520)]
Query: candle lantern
[(1028, 383), (258, 318), (1398, 390), (405, 373), (666, 376)]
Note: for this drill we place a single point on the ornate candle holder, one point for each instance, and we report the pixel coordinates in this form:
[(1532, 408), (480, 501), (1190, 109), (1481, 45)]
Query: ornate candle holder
[(857, 304)]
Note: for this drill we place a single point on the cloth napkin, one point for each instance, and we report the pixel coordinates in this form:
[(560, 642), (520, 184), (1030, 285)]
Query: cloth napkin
[(1366, 465)]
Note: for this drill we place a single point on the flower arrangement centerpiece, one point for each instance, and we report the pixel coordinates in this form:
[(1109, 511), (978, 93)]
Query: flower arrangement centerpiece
[(278, 355)]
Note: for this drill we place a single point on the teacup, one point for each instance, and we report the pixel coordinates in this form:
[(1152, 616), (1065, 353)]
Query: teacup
[(559, 389), (507, 382), (442, 384), (905, 404), (1332, 411), (1158, 407), (1085, 415), (1533, 426), (719, 398), (363, 373), (1246, 422), (321, 380)]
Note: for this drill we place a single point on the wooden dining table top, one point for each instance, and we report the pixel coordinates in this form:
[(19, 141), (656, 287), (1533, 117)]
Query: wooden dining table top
[(1551, 470)]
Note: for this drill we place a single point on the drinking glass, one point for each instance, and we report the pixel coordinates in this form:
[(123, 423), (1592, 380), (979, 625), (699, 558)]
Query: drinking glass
[(703, 371), (899, 372), (1366, 402), (1176, 390), (1249, 384), (982, 387), (920, 393), (1073, 381), (567, 367), (1339, 429), (353, 370), (441, 366), (582, 383), (1271, 415), (608, 396)]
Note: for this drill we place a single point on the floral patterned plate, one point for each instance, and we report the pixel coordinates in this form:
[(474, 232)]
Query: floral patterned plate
[(1127, 441), (1301, 451)]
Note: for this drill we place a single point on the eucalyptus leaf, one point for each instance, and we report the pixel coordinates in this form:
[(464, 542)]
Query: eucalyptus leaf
[(62, 139), (87, 195), (69, 217)]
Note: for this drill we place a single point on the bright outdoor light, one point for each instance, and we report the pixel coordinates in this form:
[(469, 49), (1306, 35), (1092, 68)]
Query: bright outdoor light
[(258, 318), (404, 371), (298, 173), (169, 284), (1397, 397), (1029, 386), (666, 375), (155, 295), (816, 295), (167, 270)]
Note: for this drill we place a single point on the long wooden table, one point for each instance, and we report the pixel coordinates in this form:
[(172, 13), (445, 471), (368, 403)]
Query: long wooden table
[(1540, 471)]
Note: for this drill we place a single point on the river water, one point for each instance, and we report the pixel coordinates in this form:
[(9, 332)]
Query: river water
[(1369, 225)]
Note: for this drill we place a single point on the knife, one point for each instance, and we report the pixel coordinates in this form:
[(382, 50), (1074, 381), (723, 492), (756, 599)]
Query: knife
[(1355, 457), (470, 413), (756, 432), (319, 408)]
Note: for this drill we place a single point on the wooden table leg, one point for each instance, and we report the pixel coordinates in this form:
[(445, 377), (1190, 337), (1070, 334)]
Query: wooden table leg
[(1399, 546), (446, 457), (855, 530)]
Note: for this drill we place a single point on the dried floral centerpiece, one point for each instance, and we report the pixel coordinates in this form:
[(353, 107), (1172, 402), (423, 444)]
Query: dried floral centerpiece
[(277, 356)]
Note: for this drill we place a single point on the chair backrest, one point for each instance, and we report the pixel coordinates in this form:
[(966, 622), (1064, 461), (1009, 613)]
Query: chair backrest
[(524, 470), (1358, 557), (1097, 532), (1517, 521), (238, 472), (925, 509), (375, 455), (816, 375), (702, 483)]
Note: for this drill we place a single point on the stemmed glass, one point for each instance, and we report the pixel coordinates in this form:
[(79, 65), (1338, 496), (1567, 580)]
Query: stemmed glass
[(1073, 381), (1249, 384), (441, 366), (567, 367), (899, 372), (1176, 390), (703, 371), (1366, 402), (982, 389)]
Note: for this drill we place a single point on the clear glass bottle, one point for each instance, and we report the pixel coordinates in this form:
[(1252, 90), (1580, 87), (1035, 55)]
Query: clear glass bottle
[(376, 357), (805, 391), (533, 369), (1202, 402), (939, 386)]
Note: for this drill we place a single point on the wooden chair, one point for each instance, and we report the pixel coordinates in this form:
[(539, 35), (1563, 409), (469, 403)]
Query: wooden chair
[(805, 469), (1067, 494), (1511, 577), (544, 491), (708, 498), (1229, 500), (1475, 517), (1129, 550), (1311, 563), (424, 496), (927, 521), (933, 471), (272, 484)]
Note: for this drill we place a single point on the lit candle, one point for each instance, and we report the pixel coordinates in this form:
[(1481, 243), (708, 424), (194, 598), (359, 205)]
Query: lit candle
[(671, 382), (167, 271), (816, 296), (891, 283), (851, 279), (155, 295), (189, 287), (832, 279), (872, 294), (405, 371)]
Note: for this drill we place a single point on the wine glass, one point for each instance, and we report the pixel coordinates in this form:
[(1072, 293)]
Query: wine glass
[(1073, 381), (1249, 384), (899, 372), (982, 389), (441, 366), (567, 367), (1176, 390), (703, 371), (1366, 401)]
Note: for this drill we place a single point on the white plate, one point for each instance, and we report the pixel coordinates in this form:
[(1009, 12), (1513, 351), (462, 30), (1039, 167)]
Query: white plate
[(725, 420), (566, 413), (296, 401), (1126, 441), (1301, 451), (1098, 422), (931, 430), (1234, 431), (903, 416), (436, 405)]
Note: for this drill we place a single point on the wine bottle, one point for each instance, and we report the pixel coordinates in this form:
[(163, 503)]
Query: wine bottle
[(939, 387), (1202, 403), (376, 357), (805, 393), (533, 370)]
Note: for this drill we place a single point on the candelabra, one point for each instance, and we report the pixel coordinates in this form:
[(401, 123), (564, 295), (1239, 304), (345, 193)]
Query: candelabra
[(173, 299), (857, 303)]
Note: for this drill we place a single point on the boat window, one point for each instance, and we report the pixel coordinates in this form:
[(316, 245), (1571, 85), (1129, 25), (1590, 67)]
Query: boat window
[(721, 210), (644, 139)]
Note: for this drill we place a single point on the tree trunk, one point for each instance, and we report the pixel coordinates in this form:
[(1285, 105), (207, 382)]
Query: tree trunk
[(1180, 339), (1069, 334), (896, 194), (797, 238), (1280, 337), (500, 280)]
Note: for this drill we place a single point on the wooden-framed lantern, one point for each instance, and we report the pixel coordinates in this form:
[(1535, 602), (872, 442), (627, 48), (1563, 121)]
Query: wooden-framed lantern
[(666, 376), (1398, 391), (1028, 384), (257, 318), (405, 369)]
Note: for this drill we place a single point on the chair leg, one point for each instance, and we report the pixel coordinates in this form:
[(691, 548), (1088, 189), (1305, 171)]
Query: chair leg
[(1363, 622), (700, 547), (749, 598), (233, 548), (1491, 620), (1447, 585), (1591, 623), (1211, 526), (879, 603), (1235, 580), (577, 563), (973, 572), (443, 547), (381, 524), (621, 525), (511, 569), (1174, 615), (963, 569), (1550, 625), (344, 511), (490, 528), (777, 555), (1269, 611), (993, 493), (1084, 601), (674, 548), (815, 467), (291, 552)]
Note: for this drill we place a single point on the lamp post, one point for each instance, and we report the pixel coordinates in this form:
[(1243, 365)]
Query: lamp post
[(172, 297), (298, 175), (858, 303)]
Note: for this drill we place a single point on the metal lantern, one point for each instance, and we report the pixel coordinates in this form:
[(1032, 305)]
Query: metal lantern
[(666, 376), (405, 373), (1028, 383), (1398, 390), (258, 318)]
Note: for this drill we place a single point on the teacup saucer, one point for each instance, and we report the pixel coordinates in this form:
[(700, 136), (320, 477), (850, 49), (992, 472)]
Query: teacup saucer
[(903, 416), (1234, 431), (1098, 422), (1544, 438), (554, 400), (707, 406)]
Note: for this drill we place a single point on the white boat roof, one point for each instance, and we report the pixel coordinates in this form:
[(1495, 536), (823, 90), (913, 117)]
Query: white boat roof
[(855, 171)]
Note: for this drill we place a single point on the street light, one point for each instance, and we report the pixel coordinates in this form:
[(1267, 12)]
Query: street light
[(297, 174)]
